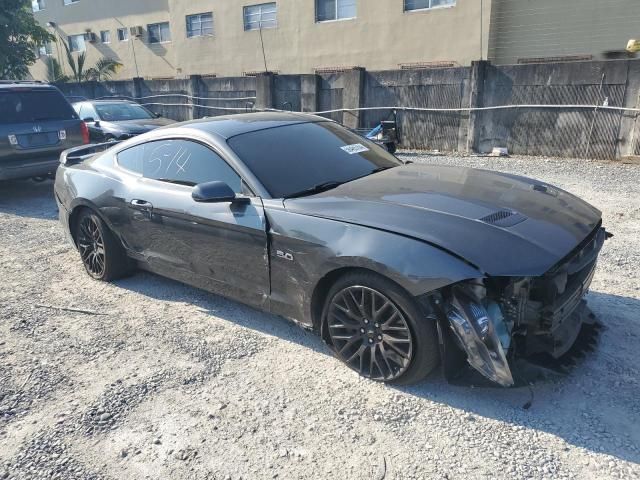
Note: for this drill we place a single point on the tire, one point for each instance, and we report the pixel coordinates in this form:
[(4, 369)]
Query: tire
[(402, 341), (391, 147), (102, 254)]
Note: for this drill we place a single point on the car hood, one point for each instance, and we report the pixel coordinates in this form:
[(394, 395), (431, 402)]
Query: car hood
[(503, 224), (138, 126)]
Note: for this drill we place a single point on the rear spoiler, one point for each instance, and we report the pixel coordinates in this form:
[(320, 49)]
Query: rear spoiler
[(75, 155)]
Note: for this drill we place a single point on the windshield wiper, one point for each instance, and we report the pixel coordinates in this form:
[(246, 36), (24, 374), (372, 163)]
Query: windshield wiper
[(321, 187), (177, 182)]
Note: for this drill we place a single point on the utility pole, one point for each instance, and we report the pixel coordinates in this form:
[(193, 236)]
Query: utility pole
[(481, 29), (264, 55)]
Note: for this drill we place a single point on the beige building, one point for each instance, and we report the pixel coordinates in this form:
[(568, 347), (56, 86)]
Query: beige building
[(177, 38), (526, 31)]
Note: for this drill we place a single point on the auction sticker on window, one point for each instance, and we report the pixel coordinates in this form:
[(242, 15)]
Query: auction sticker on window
[(355, 148)]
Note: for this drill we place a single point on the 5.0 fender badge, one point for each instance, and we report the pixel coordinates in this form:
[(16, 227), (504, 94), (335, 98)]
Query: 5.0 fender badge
[(285, 255)]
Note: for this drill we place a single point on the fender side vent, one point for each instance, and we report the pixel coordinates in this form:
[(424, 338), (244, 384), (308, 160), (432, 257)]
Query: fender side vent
[(503, 218)]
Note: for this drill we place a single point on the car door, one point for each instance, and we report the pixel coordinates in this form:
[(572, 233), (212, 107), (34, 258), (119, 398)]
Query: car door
[(221, 247)]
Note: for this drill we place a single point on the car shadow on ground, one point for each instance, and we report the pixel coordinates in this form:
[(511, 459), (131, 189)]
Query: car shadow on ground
[(28, 198), (166, 290), (581, 407)]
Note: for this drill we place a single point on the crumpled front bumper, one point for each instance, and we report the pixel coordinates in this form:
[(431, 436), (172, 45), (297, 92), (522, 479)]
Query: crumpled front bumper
[(537, 330)]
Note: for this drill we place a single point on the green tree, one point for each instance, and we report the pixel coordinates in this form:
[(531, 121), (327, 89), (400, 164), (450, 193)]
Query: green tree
[(103, 69), (54, 71), (20, 35)]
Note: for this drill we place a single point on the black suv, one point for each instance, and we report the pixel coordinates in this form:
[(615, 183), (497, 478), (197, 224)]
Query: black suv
[(36, 124)]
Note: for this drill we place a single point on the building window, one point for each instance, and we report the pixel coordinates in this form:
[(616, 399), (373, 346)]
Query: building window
[(426, 4), (335, 10), (44, 50), (76, 43), (260, 16), (70, 2), (105, 36), (123, 34), (200, 25), (37, 5), (159, 32)]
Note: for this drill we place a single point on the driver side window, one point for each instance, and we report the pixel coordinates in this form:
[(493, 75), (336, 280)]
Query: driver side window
[(180, 161)]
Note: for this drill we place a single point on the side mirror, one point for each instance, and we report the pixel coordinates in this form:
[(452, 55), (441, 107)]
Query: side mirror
[(91, 120), (214, 192), (157, 115)]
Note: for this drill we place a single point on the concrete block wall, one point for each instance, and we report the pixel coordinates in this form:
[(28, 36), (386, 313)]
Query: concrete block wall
[(566, 132)]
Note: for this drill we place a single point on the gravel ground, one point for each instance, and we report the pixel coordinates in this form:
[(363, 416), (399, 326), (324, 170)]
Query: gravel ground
[(166, 381)]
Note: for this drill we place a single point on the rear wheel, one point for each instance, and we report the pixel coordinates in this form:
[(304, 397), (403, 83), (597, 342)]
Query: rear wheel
[(102, 253), (391, 147), (377, 330)]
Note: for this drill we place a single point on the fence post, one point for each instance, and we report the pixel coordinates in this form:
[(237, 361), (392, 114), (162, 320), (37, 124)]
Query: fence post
[(309, 89), (353, 96), (629, 133), (92, 87), (138, 83), (195, 91), (264, 90), (474, 93)]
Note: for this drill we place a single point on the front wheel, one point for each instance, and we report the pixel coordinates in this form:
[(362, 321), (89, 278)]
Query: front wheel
[(102, 253), (378, 330)]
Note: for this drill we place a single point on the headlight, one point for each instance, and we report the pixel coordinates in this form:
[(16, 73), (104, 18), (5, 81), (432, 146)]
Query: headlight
[(474, 327)]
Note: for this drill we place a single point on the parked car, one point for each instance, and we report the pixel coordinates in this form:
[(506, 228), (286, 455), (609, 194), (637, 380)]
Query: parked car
[(396, 265), (117, 119), (36, 124)]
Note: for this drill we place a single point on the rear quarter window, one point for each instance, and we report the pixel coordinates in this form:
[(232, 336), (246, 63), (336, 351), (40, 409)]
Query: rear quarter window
[(24, 105)]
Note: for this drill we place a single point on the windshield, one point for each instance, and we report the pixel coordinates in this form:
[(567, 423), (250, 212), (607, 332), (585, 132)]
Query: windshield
[(28, 106), (296, 158), (116, 112)]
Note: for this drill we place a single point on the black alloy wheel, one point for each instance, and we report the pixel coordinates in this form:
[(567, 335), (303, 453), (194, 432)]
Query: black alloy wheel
[(91, 246), (370, 333), (102, 253)]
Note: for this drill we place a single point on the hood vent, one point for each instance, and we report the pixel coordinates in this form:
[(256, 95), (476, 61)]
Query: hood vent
[(503, 218)]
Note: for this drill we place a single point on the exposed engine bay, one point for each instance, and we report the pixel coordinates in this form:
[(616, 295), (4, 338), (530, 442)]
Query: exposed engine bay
[(498, 320)]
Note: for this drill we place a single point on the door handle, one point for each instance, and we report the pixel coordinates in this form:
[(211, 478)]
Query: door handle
[(141, 205)]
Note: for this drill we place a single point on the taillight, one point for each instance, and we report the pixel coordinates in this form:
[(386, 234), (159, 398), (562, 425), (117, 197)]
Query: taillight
[(85, 132)]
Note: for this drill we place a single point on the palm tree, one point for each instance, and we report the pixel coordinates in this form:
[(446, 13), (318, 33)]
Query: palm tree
[(54, 72), (104, 68)]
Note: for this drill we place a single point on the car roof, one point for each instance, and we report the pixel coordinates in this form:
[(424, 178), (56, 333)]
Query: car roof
[(227, 126), (12, 84), (115, 100)]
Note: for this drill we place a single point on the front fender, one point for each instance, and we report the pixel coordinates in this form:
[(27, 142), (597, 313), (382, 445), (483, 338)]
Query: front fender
[(305, 249)]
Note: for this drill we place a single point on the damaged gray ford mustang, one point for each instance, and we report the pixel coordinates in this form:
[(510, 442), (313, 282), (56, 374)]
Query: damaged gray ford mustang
[(398, 266)]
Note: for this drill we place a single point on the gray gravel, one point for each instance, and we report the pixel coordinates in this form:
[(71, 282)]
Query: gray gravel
[(175, 383)]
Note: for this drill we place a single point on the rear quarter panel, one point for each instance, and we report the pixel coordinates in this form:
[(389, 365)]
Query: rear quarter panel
[(89, 185)]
